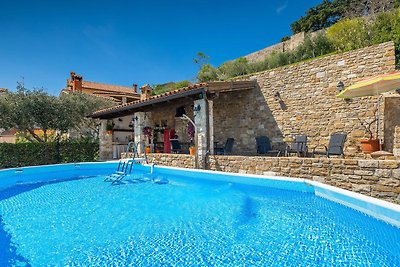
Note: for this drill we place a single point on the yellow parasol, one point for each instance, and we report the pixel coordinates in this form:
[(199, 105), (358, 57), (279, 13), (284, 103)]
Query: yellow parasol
[(372, 87)]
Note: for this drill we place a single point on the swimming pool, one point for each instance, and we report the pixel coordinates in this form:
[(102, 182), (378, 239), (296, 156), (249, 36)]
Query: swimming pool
[(66, 215)]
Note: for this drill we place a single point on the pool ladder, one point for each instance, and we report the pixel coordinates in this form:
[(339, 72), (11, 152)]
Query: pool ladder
[(125, 165)]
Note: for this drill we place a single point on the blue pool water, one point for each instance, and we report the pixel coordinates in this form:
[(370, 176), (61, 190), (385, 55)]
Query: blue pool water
[(198, 222)]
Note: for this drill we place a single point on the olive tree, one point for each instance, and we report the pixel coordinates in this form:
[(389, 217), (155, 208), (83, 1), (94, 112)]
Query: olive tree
[(30, 110)]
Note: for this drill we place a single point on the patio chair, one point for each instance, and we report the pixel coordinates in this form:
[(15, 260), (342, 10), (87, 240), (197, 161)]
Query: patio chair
[(298, 146), (227, 149), (264, 146), (335, 146), (175, 146)]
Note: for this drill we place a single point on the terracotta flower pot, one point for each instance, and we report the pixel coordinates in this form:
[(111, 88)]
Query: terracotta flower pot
[(369, 145), (192, 150), (148, 150)]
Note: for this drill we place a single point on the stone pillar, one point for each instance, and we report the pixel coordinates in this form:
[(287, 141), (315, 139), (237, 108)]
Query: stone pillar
[(138, 128), (396, 141), (211, 125), (142, 119), (200, 119), (105, 152)]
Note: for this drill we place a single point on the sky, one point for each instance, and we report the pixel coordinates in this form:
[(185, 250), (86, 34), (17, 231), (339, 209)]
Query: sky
[(125, 42)]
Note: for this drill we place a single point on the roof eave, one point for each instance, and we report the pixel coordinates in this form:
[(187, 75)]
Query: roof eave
[(126, 110)]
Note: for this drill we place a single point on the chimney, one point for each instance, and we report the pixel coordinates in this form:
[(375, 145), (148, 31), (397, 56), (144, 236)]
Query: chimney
[(135, 88), (145, 92), (76, 82)]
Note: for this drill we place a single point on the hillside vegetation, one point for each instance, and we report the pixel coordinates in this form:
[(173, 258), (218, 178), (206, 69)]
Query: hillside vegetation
[(344, 35)]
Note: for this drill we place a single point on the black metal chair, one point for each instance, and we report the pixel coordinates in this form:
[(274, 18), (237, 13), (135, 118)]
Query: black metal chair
[(264, 146), (227, 149), (298, 146), (335, 146), (175, 146)]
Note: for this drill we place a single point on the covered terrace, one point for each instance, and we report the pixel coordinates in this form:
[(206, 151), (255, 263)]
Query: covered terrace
[(173, 122)]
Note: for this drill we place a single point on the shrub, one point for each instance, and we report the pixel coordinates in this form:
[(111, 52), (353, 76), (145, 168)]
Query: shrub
[(207, 73), (386, 27), (163, 88), (31, 154), (234, 68), (349, 34)]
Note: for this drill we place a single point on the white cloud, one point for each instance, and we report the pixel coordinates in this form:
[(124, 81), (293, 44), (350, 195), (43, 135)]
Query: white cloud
[(281, 7)]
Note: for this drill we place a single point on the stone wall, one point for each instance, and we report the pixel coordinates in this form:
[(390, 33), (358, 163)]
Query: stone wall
[(166, 115), (292, 43), (172, 160), (391, 121), (307, 102), (376, 178), (396, 143)]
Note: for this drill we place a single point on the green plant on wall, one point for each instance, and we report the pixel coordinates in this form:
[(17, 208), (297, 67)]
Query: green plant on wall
[(234, 68), (349, 34), (386, 27), (163, 88)]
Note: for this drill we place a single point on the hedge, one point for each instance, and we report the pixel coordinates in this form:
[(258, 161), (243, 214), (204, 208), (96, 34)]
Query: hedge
[(30, 154)]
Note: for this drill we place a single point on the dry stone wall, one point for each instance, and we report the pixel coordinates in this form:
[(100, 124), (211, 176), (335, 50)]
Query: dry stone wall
[(172, 160), (392, 120), (376, 178), (301, 99), (294, 41)]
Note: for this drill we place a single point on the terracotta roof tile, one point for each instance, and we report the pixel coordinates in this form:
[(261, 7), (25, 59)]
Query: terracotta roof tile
[(106, 87), (9, 132), (209, 87), (177, 91)]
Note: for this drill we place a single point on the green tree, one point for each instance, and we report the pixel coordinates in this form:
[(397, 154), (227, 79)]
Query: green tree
[(207, 73), (320, 17), (349, 34), (234, 68), (328, 13), (386, 27), (201, 59), (29, 110)]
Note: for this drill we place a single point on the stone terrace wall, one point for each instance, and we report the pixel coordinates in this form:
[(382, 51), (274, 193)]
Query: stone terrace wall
[(172, 160), (376, 178), (308, 103), (292, 43)]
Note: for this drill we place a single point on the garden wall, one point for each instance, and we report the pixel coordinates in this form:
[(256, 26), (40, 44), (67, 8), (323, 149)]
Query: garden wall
[(306, 103), (376, 178), (173, 160)]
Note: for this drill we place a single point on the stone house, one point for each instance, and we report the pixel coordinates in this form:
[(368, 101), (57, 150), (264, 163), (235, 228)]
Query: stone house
[(8, 136), (294, 99), (120, 94)]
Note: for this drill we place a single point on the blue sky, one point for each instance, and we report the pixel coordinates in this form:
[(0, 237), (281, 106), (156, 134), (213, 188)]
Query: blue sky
[(126, 42)]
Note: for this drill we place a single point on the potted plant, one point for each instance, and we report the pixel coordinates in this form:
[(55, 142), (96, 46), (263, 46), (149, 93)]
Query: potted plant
[(109, 128), (191, 132), (371, 144)]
